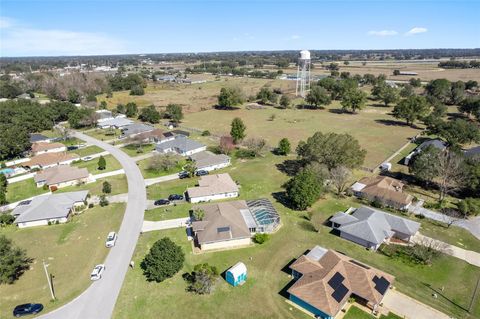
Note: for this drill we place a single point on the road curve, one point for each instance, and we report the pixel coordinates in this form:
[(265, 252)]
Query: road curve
[(98, 301)]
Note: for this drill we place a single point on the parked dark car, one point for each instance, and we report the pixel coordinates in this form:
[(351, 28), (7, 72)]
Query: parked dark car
[(27, 309), (175, 197), (183, 175), (201, 172), (72, 148), (159, 202)]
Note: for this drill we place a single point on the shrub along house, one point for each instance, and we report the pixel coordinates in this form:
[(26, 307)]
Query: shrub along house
[(385, 190), (62, 176), (325, 280), (48, 209), (213, 187), (370, 227)]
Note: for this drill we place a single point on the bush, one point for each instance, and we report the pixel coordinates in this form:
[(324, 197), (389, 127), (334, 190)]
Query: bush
[(102, 163), (45, 187), (91, 205), (106, 187), (103, 201), (202, 279), (261, 238), (206, 133), (14, 261), (164, 260), (243, 153), (6, 219), (137, 90)]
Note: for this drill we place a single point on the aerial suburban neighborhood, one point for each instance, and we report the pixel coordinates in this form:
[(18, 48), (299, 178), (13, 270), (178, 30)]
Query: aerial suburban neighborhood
[(222, 159)]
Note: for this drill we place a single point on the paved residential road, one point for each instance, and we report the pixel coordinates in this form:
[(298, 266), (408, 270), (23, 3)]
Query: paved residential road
[(98, 301)]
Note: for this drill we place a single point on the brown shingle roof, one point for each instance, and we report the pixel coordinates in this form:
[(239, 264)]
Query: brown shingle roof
[(387, 188), (47, 159), (213, 184), (60, 174), (222, 221), (44, 146), (313, 286)]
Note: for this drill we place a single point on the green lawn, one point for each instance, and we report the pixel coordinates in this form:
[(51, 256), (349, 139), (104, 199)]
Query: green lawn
[(92, 166), (22, 190), (262, 292), (118, 182), (168, 212), (70, 249), (357, 313), (103, 135), (89, 150), (149, 173), (162, 190), (134, 150)]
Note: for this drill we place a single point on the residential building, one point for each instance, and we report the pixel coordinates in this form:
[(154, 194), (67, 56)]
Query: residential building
[(46, 209), (371, 228), (118, 122), (47, 147), (383, 189), (35, 137), (156, 136), (232, 224), (209, 161), (438, 144), (62, 176), (47, 160), (135, 129), (213, 187), (324, 280), (103, 115), (180, 145)]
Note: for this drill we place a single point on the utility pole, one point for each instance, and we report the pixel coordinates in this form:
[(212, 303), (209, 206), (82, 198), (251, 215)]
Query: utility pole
[(49, 279)]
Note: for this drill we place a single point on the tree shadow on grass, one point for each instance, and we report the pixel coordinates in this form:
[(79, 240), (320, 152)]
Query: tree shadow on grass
[(309, 107), (281, 197), (394, 123), (290, 167), (307, 226), (226, 108)]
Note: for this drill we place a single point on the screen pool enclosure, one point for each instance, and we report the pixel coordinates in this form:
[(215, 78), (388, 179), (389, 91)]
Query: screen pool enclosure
[(264, 214)]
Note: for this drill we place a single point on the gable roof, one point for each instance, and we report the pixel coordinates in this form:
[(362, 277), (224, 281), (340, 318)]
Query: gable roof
[(207, 158), (136, 128), (180, 143), (60, 174), (436, 143), (48, 206), (375, 226), (45, 146), (222, 221), (209, 185), (328, 279), (35, 137), (46, 159), (117, 122), (383, 187)]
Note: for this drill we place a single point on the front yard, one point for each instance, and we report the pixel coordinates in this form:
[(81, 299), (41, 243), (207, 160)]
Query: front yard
[(92, 165), (118, 182), (70, 249)]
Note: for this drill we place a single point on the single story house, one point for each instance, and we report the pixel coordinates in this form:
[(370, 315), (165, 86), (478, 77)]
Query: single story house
[(47, 160), (231, 224), (237, 274), (103, 115), (370, 227), (386, 190), (180, 145), (51, 208), (47, 147), (209, 161), (135, 129), (35, 137), (438, 144), (155, 136), (213, 187), (324, 280), (62, 176), (117, 122)]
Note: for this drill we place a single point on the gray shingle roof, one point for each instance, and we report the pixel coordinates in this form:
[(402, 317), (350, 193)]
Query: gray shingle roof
[(38, 138), (207, 159), (342, 218), (48, 206), (374, 225), (136, 128), (117, 122), (438, 144), (180, 143)]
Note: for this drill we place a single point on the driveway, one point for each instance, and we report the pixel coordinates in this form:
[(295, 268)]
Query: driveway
[(98, 301), (410, 308), (165, 224), (161, 179)]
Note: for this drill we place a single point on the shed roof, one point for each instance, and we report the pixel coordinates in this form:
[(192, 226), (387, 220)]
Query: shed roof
[(238, 269)]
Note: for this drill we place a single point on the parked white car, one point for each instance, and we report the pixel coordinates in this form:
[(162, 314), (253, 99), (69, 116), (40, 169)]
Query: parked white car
[(87, 158), (97, 272), (111, 239)]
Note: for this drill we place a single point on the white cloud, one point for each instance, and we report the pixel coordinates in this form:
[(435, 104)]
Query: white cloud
[(383, 33), (24, 41), (5, 22), (416, 30), (295, 37)]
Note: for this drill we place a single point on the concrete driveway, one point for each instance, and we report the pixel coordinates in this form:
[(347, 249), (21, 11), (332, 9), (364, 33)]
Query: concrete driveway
[(165, 224), (410, 308), (98, 301)]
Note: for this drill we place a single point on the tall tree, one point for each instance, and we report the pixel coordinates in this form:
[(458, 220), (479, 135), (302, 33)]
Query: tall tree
[(102, 163), (285, 101), (339, 177), (13, 262), (439, 88), (131, 109), (354, 100), (150, 114), (284, 146), (318, 96), (237, 131), (411, 109), (164, 260), (174, 112), (303, 189), (230, 96)]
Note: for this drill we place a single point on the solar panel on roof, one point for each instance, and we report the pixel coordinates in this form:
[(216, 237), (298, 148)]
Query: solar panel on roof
[(336, 280), (340, 293), (223, 229), (381, 284)]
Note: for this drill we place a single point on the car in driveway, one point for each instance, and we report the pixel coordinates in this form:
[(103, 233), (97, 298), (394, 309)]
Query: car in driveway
[(72, 148), (97, 272), (183, 175), (160, 202), (201, 172), (175, 197), (27, 309), (87, 158), (111, 239)]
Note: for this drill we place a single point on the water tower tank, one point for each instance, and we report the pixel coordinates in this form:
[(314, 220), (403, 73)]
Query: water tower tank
[(305, 55)]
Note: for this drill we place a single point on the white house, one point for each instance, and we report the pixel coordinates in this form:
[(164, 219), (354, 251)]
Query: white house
[(63, 176), (47, 147), (213, 187), (47, 160), (180, 145), (209, 161), (103, 115), (118, 122)]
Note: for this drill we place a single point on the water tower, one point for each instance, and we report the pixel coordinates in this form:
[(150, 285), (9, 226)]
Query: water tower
[(303, 73)]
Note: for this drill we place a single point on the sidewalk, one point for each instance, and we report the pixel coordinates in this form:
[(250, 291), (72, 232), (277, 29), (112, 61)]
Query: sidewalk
[(108, 174), (410, 308)]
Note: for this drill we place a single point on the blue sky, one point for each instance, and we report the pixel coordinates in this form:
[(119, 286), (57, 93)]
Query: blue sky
[(30, 28)]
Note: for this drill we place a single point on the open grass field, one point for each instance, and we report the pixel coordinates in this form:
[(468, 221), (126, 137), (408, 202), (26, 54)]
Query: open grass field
[(262, 294), (377, 131), (118, 182), (23, 189), (70, 249), (193, 97), (92, 166)]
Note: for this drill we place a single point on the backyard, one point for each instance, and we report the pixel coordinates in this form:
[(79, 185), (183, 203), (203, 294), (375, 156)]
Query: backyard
[(23, 190), (70, 249)]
